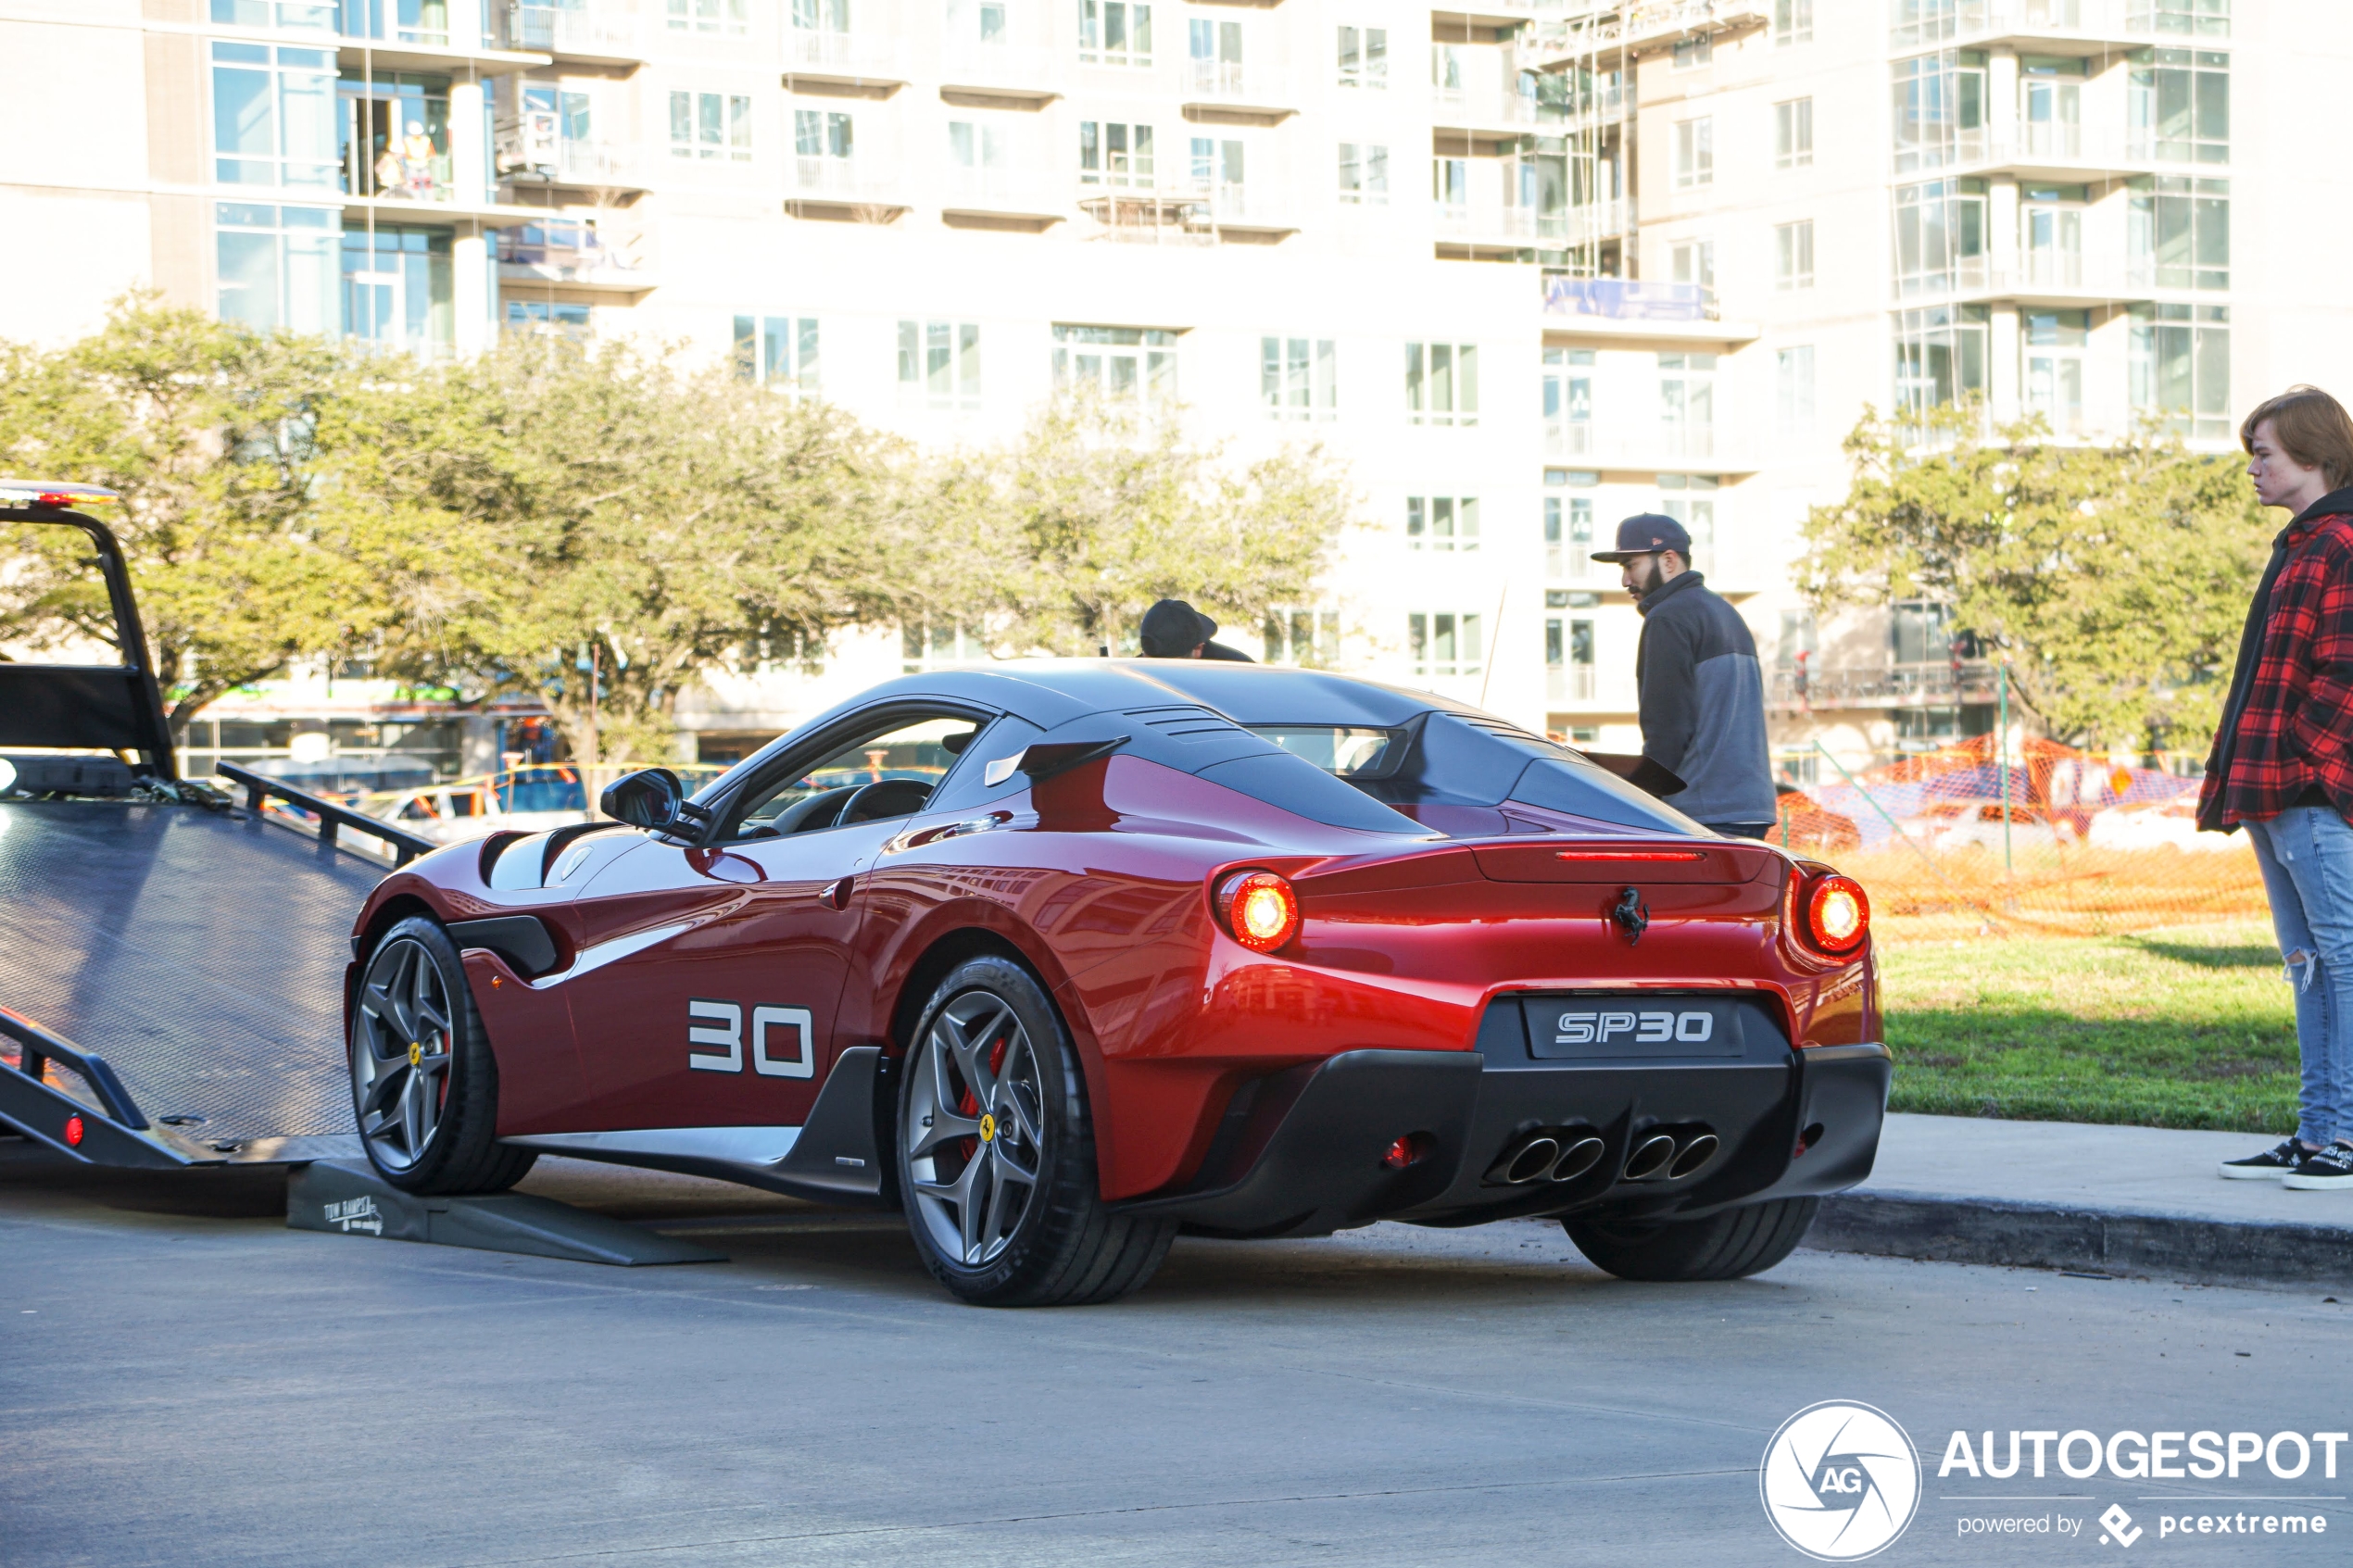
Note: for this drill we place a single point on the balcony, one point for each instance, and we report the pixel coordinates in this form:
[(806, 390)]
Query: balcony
[(577, 30), (569, 253), (1227, 93), (2050, 277), (2054, 26), (861, 189), (999, 76), (1890, 686), (1614, 32), (2058, 151), (1646, 445), (1583, 686), (1002, 198), (1491, 228), (1188, 213), (857, 59), (588, 166), (1629, 299), (374, 38)]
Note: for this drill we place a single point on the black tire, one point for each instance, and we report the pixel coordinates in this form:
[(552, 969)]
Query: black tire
[(992, 1087), (424, 1084), (1731, 1245)]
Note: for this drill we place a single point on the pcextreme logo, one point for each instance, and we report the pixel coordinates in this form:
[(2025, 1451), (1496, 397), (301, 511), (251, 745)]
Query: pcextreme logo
[(1840, 1481)]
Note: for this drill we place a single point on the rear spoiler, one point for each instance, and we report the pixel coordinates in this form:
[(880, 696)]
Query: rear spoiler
[(109, 706)]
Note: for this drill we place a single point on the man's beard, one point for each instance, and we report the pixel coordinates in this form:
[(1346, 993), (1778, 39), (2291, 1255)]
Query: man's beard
[(1646, 577)]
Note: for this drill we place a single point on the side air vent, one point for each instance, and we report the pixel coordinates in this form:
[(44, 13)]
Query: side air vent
[(1497, 727), (1185, 722)]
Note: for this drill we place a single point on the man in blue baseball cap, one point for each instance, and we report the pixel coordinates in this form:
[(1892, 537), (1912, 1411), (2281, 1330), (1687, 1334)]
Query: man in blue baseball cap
[(1696, 678)]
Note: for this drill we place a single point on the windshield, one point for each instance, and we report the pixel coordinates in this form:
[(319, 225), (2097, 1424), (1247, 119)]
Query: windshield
[(1344, 751)]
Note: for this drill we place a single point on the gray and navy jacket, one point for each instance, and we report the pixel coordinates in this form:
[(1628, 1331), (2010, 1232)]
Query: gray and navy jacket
[(1703, 702)]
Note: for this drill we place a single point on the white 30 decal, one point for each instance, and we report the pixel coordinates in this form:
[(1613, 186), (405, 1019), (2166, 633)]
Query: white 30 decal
[(728, 1035)]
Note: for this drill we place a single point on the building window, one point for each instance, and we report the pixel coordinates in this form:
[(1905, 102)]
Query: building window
[(2050, 235), (2180, 366), (732, 17), (1363, 173), (1444, 643), (1442, 384), (273, 116), (559, 318), (976, 150), (1299, 377), (1219, 170), (1940, 109), (2205, 18), (1687, 403), (1568, 658), (1940, 356), (1926, 22), (2180, 231), (1302, 636), (1792, 22), (927, 645), (1444, 523), (1694, 153), (1793, 134), (939, 364), (1694, 262), (397, 288), (1568, 402), (277, 267), (1794, 393), (778, 352), (1940, 236), (1121, 364), (1115, 33), (311, 16), (714, 125), (1798, 641), (395, 133), (1214, 53), (1568, 534), (1364, 57), (2179, 105), (1112, 154), (1689, 499), (2051, 344), (1794, 255), (1694, 51)]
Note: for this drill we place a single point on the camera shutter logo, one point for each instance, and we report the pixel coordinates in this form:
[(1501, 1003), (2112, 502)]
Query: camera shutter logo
[(1840, 1481)]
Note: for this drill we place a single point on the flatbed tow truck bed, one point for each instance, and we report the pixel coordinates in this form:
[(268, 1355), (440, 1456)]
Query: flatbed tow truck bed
[(171, 964), (199, 954)]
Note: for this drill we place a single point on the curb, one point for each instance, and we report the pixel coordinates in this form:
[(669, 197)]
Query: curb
[(1935, 1228)]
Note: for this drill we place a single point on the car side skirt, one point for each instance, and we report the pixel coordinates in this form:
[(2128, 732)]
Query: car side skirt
[(831, 1159)]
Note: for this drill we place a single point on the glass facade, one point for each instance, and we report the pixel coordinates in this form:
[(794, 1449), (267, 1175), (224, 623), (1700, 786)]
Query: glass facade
[(397, 287), (2180, 232), (1940, 236), (395, 136), (2181, 368), (2179, 107), (273, 116), (781, 352), (1940, 109), (1299, 377), (1442, 384), (276, 266), (1122, 364), (1940, 356)]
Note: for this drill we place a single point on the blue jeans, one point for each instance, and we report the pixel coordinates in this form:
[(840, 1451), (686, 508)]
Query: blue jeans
[(2307, 856)]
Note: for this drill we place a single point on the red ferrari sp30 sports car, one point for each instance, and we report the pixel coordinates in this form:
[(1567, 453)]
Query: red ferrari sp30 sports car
[(1060, 958)]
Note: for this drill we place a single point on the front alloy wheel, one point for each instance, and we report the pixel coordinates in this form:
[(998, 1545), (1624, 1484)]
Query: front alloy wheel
[(400, 1063)]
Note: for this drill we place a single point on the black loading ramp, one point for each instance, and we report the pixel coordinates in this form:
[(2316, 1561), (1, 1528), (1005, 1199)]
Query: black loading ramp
[(199, 954)]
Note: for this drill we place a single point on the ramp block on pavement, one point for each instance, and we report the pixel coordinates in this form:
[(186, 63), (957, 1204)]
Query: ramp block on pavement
[(352, 1200)]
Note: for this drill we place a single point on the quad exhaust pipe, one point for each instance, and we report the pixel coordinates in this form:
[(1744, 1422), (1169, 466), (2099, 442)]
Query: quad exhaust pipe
[(1564, 1155)]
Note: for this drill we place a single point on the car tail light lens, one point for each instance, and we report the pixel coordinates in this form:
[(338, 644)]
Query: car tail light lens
[(1838, 915), (73, 1132), (1260, 909)]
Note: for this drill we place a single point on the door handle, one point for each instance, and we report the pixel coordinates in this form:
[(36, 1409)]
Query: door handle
[(836, 895)]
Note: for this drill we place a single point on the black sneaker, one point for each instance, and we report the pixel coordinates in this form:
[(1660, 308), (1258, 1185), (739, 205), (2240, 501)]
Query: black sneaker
[(2324, 1172), (2267, 1166)]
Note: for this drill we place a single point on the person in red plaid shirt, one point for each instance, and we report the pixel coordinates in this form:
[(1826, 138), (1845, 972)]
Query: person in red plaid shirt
[(2283, 762)]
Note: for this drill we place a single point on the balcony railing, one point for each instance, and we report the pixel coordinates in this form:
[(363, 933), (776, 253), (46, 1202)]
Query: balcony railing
[(1570, 683), (578, 27), (1003, 68), (1890, 686), (1004, 190), (2056, 144), (816, 52), (2054, 272), (864, 180), (1233, 83), (1629, 299), (1559, 228), (2122, 19)]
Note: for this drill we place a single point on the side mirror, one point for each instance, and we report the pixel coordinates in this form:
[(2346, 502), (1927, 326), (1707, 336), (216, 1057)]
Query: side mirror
[(649, 797)]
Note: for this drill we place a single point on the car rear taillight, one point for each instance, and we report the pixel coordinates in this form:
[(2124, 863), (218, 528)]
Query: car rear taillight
[(1837, 915), (1259, 909)]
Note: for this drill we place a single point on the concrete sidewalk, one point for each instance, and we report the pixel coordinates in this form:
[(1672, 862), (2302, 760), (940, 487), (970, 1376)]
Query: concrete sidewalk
[(2112, 1201)]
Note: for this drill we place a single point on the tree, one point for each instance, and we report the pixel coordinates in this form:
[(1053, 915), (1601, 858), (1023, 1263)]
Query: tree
[(2113, 579), (210, 431), (607, 509), (1059, 542)]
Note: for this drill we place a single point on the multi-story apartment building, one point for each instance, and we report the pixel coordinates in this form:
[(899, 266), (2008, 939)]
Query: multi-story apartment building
[(1666, 253)]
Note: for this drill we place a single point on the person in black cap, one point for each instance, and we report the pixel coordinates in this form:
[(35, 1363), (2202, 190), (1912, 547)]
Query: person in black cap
[(1174, 629), (1696, 678)]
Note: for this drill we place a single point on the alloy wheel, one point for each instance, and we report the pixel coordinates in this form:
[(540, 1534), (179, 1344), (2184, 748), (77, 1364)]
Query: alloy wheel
[(401, 1052), (975, 1127)]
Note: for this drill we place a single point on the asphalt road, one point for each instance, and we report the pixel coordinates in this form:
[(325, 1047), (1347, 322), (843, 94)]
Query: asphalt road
[(187, 1381)]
